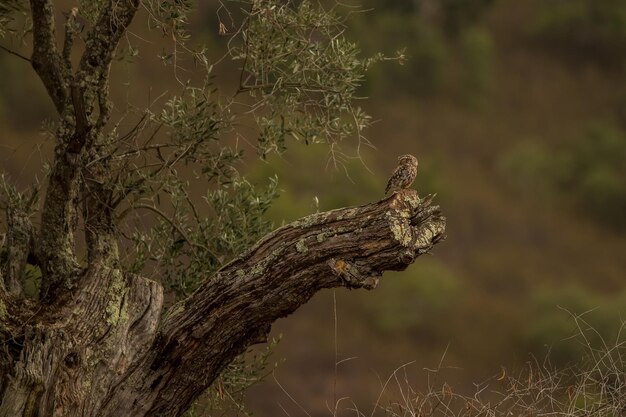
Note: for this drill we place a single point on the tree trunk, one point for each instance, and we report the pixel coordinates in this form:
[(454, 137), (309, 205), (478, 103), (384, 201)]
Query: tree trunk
[(97, 343), (106, 350)]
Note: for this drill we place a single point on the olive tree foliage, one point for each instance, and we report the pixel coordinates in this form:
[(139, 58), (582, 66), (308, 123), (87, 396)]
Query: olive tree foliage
[(119, 177), (298, 81)]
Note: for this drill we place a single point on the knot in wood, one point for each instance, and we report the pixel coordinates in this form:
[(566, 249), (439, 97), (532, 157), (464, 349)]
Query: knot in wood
[(72, 359), (406, 256), (351, 276)]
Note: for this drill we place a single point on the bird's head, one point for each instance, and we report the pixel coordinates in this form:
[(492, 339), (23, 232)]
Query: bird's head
[(407, 159)]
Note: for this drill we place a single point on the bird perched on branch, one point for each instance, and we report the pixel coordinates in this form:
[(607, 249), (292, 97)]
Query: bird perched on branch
[(404, 174)]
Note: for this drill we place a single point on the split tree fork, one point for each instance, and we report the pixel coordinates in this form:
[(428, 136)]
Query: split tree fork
[(96, 342)]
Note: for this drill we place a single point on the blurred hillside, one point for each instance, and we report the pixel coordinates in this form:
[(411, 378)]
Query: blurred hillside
[(517, 113)]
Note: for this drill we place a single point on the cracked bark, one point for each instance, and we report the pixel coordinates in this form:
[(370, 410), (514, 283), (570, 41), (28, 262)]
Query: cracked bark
[(45, 59), (82, 102), (108, 352), (96, 343), (92, 81), (348, 247), (56, 239)]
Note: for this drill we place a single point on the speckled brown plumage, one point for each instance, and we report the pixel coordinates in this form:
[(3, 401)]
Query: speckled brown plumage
[(404, 174)]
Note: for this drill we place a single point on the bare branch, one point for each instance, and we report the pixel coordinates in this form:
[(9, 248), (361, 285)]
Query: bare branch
[(102, 41), (172, 223), (46, 60), (72, 28), (12, 52)]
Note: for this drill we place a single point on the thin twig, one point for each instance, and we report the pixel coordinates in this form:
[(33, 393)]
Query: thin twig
[(12, 52), (173, 224)]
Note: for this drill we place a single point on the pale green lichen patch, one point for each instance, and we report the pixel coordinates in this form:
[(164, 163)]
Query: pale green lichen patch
[(276, 253), (321, 237), (301, 246), (3, 311), (115, 309), (311, 220), (336, 231), (427, 235), (400, 226), (321, 218), (413, 199), (258, 269)]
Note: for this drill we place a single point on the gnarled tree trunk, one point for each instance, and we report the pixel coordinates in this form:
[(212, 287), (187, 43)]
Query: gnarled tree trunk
[(106, 350), (97, 343)]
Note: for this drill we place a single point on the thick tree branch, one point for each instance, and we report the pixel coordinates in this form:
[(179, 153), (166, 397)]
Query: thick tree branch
[(72, 28), (93, 70), (77, 135), (348, 247), (102, 40), (46, 59), (58, 221), (92, 82)]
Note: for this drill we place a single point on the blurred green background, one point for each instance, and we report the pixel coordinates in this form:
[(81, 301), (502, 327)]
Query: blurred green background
[(517, 113)]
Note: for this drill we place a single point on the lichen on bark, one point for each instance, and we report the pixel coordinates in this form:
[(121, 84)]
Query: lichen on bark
[(97, 341)]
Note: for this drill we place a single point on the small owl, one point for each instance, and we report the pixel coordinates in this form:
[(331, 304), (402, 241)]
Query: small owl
[(404, 174)]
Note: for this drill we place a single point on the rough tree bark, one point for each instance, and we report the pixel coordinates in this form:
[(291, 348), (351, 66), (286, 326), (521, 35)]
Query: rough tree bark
[(108, 352), (96, 343)]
